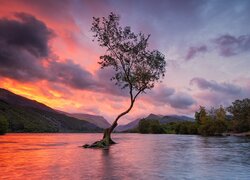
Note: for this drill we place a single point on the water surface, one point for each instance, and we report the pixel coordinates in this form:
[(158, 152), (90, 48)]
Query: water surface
[(137, 156)]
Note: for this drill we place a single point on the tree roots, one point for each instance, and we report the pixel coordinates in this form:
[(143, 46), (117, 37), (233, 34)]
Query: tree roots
[(100, 144), (105, 142)]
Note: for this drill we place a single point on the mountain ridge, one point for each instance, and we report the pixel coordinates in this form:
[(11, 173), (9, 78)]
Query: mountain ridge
[(18, 100), (163, 119), (98, 120), (26, 115)]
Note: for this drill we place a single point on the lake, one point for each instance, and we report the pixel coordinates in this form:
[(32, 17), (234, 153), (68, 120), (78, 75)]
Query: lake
[(136, 156)]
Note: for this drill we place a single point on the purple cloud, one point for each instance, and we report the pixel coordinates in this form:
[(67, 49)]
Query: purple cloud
[(229, 45), (71, 74), (214, 94), (193, 51), (181, 100), (214, 86), (167, 95)]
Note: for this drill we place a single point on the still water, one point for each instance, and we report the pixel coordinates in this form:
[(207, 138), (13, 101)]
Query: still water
[(137, 156)]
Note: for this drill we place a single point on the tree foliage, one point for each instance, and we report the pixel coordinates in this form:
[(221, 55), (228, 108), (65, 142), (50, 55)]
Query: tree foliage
[(212, 122), (185, 127), (220, 114), (147, 126), (127, 53), (240, 109), (201, 115)]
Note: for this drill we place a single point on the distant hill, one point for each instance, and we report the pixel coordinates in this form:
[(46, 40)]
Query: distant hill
[(97, 120), (17, 100), (173, 118), (162, 119), (25, 115), (128, 126)]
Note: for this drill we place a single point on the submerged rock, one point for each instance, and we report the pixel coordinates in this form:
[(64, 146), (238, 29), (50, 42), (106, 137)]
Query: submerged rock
[(85, 146), (97, 144)]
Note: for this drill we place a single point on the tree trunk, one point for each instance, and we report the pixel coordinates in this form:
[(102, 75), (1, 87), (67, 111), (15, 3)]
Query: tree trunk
[(106, 140), (108, 131)]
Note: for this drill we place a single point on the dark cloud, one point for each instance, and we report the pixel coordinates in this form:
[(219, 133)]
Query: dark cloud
[(214, 86), (193, 51), (26, 33), (229, 45), (24, 49), (23, 45), (71, 74), (19, 65)]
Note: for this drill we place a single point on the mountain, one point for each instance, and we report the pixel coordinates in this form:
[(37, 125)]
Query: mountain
[(17, 100), (154, 117), (97, 120), (25, 115), (173, 118), (128, 126), (162, 119)]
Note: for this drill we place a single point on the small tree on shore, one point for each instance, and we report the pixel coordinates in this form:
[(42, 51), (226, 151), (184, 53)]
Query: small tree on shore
[(240, 109), (136, 68), (201, 116), (3, 125)]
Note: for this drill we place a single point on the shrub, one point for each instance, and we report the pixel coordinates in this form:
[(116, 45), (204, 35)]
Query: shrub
[(3, 124)]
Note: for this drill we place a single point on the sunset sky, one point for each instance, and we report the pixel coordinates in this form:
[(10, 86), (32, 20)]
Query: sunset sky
[(47, 54)]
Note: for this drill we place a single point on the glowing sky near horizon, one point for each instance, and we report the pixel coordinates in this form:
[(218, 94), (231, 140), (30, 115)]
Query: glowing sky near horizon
[(47, 54)]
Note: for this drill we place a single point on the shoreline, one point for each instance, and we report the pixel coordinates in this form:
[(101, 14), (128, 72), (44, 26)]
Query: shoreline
[(243, 134)]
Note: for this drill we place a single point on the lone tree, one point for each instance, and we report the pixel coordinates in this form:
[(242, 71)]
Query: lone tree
[(136, 68)]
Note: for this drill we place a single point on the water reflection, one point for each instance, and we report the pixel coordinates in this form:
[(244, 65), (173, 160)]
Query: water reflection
[(58, 156)]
